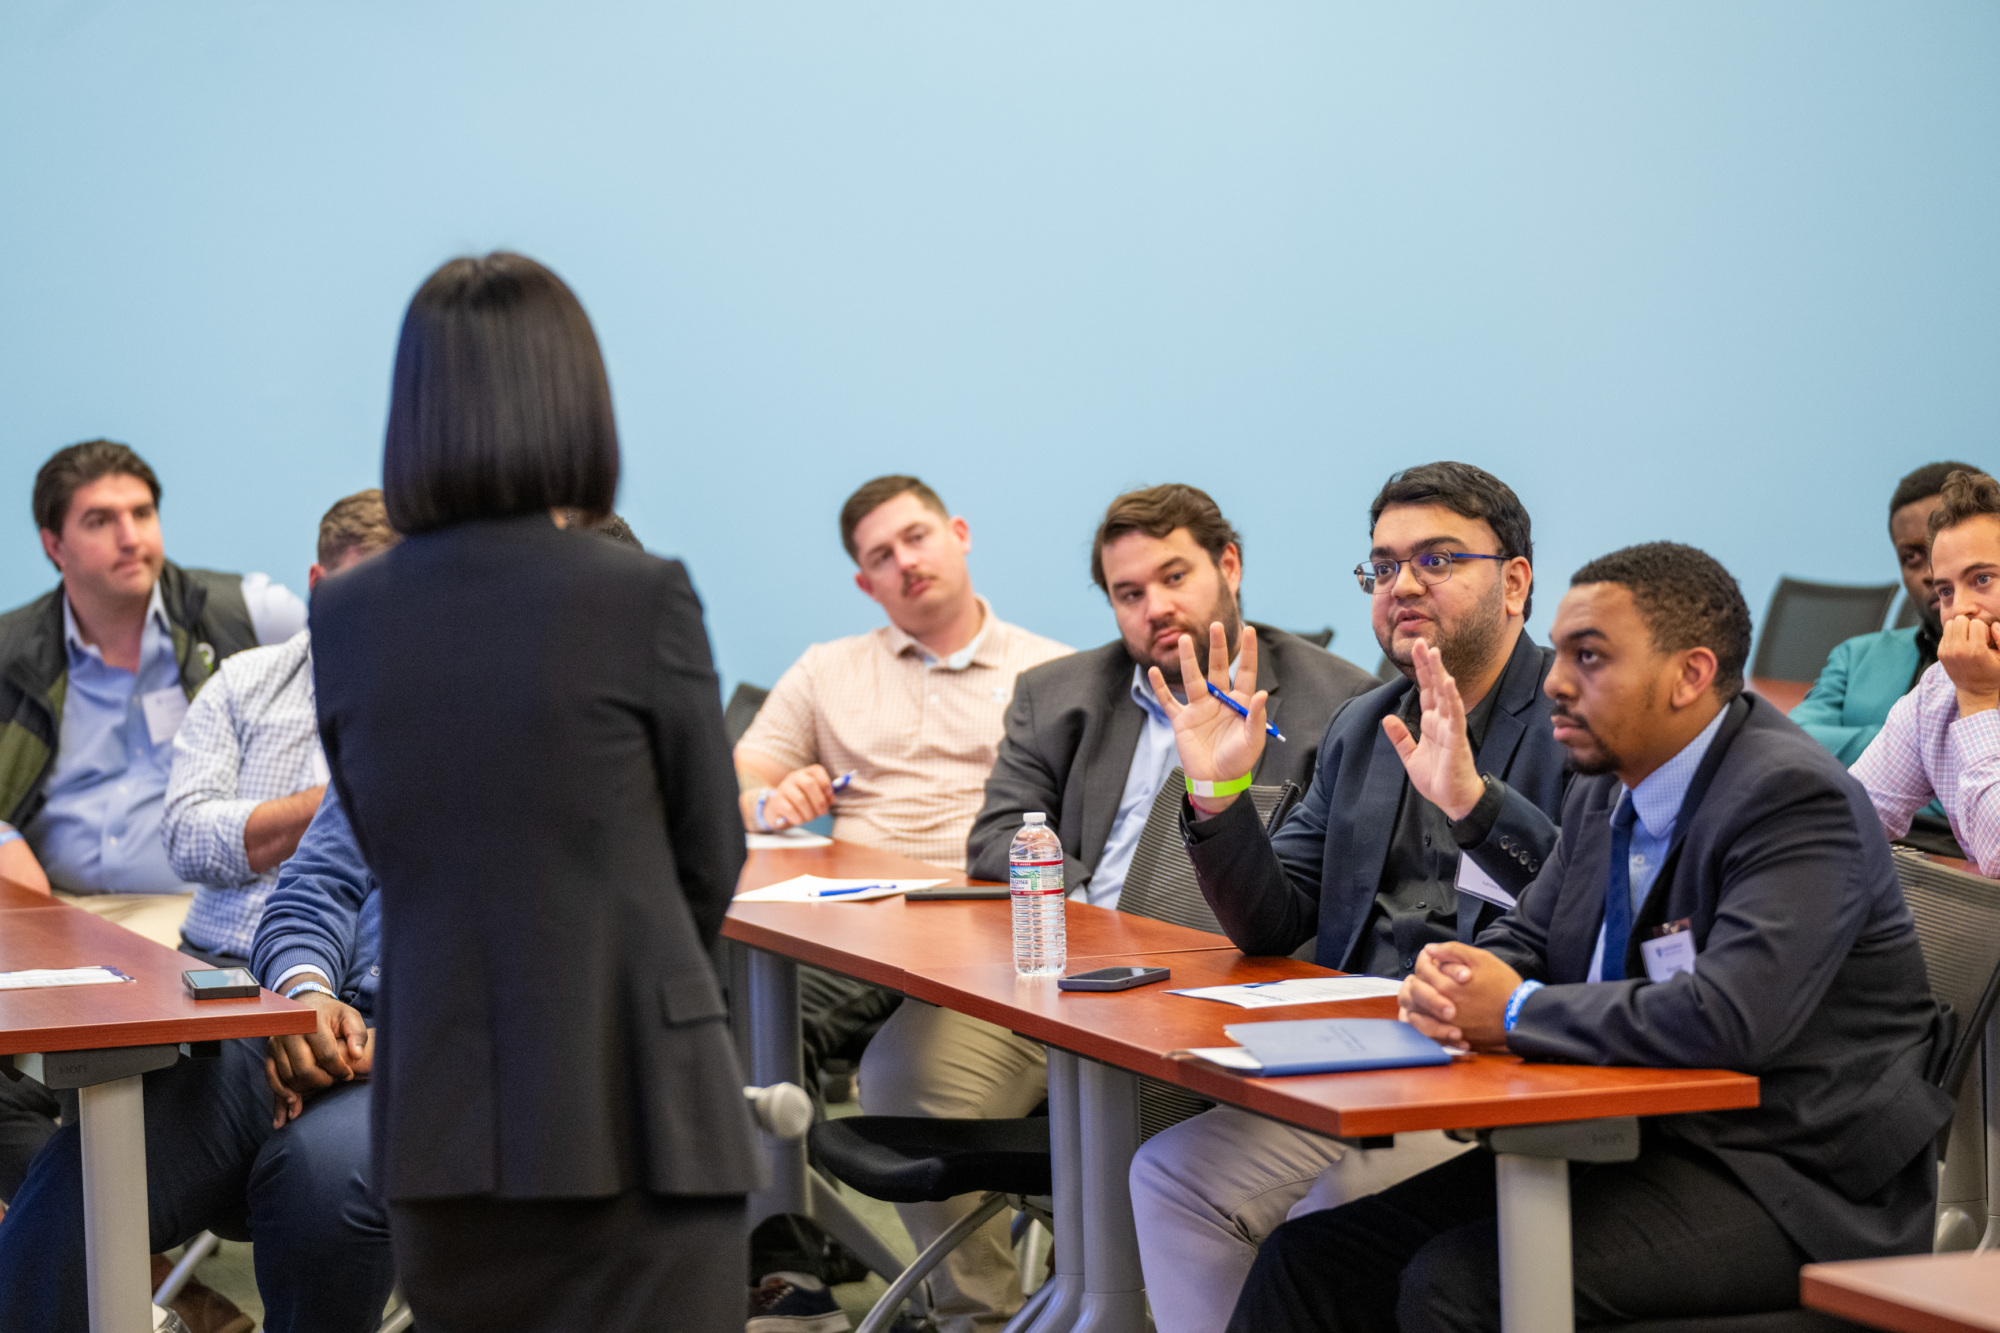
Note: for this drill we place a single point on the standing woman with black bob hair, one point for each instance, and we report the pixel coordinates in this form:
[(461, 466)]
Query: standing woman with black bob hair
[(523, 724)]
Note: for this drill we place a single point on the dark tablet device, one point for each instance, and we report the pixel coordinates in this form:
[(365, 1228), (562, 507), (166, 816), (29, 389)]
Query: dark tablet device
[(221, 983), (959, 894), (1113, 978)]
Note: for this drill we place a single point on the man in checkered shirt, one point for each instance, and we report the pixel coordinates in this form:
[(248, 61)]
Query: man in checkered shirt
[(1942, 739), (248, 773)]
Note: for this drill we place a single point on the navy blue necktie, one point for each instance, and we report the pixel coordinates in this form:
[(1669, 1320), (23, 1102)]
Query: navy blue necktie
[(1618, 893)]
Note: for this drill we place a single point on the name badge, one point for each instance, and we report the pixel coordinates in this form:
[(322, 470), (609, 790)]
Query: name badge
[(165, 710), (1668, 953), (1473, 880)]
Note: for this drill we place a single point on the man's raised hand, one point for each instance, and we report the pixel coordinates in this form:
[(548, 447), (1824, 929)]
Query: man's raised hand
[(1440, 764), (1215, 744)]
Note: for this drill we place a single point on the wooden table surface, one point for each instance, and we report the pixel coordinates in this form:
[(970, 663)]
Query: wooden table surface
[(1142, 1029), (1921, 1293), (153, 1010), (14, 895), (1786, 694), (959, 954)]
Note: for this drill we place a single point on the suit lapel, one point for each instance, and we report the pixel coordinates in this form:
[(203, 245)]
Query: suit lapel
[(1371, 821), (1653, 911), (1109, 764), (1268, 681)]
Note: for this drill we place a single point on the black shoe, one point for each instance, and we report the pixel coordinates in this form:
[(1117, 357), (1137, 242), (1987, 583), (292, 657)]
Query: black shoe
[(794, 1303)]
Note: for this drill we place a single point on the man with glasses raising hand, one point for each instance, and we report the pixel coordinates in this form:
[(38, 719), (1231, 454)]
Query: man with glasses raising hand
[(1433, 803)]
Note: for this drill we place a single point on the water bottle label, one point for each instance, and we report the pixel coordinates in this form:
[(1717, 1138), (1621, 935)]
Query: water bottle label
[(1035, 878)]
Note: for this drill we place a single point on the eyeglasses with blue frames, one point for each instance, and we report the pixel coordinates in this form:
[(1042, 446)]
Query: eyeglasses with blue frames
[(1431, 569)]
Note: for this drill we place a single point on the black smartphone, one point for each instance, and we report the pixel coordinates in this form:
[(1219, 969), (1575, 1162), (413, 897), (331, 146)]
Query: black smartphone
[(960, 894), (1113, 978), (221, 983)]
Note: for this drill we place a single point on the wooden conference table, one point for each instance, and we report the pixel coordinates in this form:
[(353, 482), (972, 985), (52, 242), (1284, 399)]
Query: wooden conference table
[(1921, 1293), (100, 1040), (959, 955)]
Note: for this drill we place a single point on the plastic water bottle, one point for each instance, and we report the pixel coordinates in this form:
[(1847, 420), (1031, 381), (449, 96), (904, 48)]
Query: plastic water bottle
[(1035, 876)]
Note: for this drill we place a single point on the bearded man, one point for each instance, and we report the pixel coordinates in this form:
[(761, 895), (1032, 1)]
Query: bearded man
[(1432, 805), (1087, 743)]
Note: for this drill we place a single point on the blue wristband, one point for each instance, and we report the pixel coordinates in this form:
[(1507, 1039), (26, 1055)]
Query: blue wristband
[(1516, 1000)]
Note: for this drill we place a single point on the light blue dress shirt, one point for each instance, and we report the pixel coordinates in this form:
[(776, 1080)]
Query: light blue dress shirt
[(1151, 762), (1658, 800), (99, 831)]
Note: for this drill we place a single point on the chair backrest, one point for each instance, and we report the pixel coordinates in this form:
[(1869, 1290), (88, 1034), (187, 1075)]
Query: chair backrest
[(1161, 882), (1319, 638), (1908, 614), (1806, 620), (1161, 885), (742, 709), (1958, 925), (1385, 670)]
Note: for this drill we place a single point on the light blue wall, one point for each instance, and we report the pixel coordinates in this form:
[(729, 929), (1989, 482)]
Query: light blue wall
[(1711, 271)]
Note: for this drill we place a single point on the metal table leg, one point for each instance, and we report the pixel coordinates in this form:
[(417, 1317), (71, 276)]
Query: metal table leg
[(1991, 1054), (111, 1120), (1531, 1177), (776, 1057), (1114, 1289), (1055, 1304), (115, 1234), (1535, 1284)]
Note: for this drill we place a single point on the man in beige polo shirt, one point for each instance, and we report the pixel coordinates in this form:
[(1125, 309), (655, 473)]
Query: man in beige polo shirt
[(915, 711)]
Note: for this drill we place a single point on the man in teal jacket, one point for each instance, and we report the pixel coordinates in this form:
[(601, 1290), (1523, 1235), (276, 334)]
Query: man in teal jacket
[(1864, 676)]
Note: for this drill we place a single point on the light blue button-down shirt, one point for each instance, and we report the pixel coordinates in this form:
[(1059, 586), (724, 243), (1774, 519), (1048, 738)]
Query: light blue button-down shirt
[(1658, 800), (99, 830), (1151, 762)]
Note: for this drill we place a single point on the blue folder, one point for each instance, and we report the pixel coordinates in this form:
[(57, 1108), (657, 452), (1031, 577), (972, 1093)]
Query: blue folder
[(1336, 1045)]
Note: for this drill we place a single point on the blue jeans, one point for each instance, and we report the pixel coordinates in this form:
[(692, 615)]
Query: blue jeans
[(213, 1163)]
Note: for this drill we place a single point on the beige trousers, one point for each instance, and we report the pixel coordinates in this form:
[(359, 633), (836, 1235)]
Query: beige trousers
[(1206, 1193), (157, 916), (935, 1062)]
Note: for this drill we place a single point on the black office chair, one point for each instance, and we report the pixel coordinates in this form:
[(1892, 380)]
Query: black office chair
[(1161, 884), (1806, 620), (742, 710), (1958, 927), (1385, 670), (1319, 638), (1908, 614), (919, 1159)]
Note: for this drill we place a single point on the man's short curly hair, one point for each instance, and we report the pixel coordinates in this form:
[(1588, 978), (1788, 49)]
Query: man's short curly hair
[(1687, 599), (1966, 495)]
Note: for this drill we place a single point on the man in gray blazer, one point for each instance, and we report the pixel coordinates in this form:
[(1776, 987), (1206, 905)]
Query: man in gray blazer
[(1721, 897), (1086, 741)]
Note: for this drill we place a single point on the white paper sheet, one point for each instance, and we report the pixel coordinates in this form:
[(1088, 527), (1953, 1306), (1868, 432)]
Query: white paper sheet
[(781, 842), (1299, 990), (1473, 880), (812, 888), (39, 977), (1229, 1057)]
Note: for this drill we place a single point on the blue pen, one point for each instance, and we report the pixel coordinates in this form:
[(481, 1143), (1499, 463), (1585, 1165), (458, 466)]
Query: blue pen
[(835, 893), (1240, 710), (840, 783)]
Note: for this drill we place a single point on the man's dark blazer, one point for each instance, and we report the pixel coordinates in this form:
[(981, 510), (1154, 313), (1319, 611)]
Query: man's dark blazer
[(1073, 728), (1319, 873), (524, 727), (1807, 974)]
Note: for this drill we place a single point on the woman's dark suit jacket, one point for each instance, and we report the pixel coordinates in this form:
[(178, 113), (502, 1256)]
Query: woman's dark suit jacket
[(524, 725)]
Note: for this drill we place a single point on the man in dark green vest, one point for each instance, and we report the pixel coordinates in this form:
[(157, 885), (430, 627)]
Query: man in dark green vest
[(96, 674)]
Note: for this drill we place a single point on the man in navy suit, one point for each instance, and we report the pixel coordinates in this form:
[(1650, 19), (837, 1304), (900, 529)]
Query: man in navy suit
[(1721, 897), (1432, 803)]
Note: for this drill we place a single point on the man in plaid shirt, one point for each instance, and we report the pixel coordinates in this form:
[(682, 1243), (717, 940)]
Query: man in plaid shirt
[(1942, 739), (248, 773)]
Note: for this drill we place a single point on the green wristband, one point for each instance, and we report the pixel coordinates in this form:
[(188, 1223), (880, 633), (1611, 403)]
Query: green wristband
[(1229, 788)]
